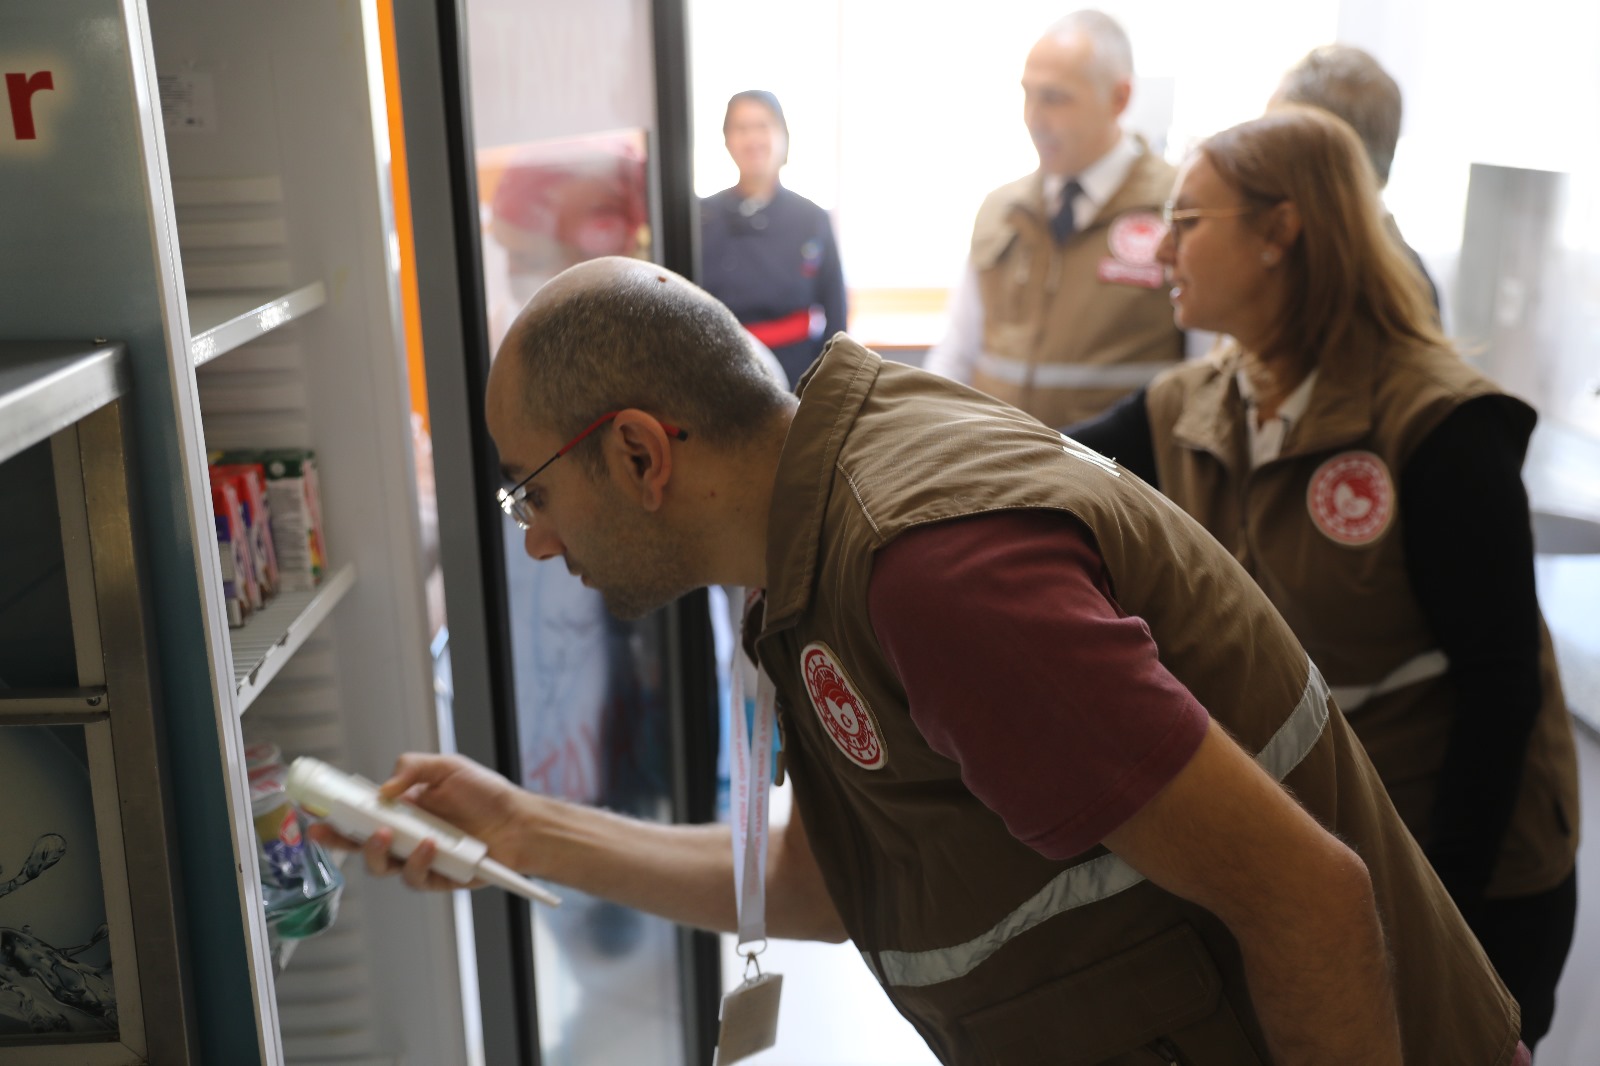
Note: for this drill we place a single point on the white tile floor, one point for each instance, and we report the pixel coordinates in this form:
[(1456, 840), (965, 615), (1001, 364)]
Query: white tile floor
[(833, 1011)]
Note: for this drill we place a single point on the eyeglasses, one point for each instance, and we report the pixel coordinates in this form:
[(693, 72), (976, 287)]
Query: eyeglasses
[(513, 501), (1172, 216)]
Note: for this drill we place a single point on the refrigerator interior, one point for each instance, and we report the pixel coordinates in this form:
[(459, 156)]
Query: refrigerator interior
[(277, 150), (561, 105)]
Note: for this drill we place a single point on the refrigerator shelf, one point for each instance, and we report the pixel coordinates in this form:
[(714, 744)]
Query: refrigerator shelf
[(46, 386), (222, 323), (264, 643)]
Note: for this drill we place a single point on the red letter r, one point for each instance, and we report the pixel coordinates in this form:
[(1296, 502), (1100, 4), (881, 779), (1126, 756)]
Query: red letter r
[(20, 88)]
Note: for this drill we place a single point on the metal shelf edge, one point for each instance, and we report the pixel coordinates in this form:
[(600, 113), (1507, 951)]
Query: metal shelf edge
[(46, 386), (220, 324), (306, 611)]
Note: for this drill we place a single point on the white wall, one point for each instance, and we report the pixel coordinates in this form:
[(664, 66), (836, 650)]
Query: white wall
[(558, 69), (1509, 84), (903, 114)]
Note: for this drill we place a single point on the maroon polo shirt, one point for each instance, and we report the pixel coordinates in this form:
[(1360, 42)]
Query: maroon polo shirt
[(1020, 666)]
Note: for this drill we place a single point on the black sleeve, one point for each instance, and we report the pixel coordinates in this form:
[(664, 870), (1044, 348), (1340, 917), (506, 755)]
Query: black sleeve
[(1122, 433), (1469, 552), (830, 283)]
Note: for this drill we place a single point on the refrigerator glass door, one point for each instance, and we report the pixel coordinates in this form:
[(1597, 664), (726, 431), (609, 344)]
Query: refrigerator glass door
[(562, 97)]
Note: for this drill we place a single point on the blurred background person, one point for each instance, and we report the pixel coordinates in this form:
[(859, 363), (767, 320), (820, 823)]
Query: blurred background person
[(552, 203), (1369, 479), (1350, 83), (766, 252), (1062, 309)]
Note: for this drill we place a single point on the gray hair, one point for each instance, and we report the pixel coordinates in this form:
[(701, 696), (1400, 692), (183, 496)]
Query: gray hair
[(1348, 82), (1113, 54), (648, 339)]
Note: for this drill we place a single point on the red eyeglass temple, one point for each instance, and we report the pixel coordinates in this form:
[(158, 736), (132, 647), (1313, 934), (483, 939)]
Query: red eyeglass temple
[(672, 431)]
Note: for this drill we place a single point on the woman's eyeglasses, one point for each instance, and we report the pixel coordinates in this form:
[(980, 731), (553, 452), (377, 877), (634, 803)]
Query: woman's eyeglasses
[(1173, 217)]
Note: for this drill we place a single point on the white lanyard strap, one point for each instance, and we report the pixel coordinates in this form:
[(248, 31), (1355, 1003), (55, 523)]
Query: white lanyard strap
[(752, 781)]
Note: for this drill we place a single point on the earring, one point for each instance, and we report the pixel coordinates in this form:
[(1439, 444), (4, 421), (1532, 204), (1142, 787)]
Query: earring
[(1270, 257)]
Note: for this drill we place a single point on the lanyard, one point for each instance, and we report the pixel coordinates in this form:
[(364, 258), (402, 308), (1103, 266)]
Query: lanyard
[(752, 781)]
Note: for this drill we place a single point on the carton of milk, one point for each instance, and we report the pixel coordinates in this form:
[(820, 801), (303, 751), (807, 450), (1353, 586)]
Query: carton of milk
[(296, 506), (250, 482), (233, 549)]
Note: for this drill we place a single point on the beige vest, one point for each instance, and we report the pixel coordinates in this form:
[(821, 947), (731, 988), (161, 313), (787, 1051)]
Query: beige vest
[(1339, 577), (1069, 330), (996, 954)]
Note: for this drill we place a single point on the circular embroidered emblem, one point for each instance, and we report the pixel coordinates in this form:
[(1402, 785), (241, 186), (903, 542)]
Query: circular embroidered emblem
[(810, 258), (1135, 236), (1351, 498), (845, 715)]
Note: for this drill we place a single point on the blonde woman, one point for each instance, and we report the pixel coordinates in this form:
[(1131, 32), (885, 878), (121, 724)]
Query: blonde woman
[(1369, 480)]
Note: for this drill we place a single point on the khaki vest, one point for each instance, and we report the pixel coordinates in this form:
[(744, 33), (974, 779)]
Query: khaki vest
[(996, 954), (1069, 330), (1344, 591)]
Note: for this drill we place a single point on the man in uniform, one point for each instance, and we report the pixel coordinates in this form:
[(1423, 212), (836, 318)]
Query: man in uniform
[(1350, 83), (1060, 771), (1062, 309)]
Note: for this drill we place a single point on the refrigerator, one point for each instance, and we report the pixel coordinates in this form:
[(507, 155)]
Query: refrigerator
[(210, 244), (199, 255), (538, 134)]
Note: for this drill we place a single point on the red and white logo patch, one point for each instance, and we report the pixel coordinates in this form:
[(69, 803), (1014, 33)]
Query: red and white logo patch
[(845, 715), (1135, 236), (1351, 498)]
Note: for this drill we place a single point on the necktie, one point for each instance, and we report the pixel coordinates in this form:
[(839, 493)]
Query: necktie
[(1064, 224)]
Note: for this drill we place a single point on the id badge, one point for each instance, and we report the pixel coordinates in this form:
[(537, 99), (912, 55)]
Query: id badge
[(749, 1018)]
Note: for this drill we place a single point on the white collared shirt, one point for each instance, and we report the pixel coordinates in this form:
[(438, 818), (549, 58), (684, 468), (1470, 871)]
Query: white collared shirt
[(957, 352), (1099, 181), (1266, 440)]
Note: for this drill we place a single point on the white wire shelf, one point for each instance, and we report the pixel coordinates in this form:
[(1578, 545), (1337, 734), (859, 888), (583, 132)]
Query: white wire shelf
[(221, 323), (274, 633)]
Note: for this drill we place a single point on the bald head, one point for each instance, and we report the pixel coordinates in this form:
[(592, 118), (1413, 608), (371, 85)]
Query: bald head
[(1076, 83), (599, 275), (614, 333), (1106, 54)]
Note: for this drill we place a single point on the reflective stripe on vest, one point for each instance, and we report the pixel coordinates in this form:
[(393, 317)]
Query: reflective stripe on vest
[(1069, 375), (1424, 667), (1099, 878)]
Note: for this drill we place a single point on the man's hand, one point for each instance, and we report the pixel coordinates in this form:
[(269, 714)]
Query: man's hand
[(682, 872), (475, 800), (1226, 836)]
